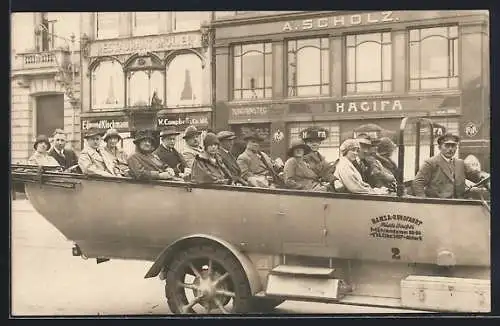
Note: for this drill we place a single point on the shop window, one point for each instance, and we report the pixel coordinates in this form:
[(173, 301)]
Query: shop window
[(329, 148), (145, 23), (369, 63), (433, 58), (184, 81), (189, 20), (142, 84), (252, 66), (107, 25), (107, 85), (308, 67)]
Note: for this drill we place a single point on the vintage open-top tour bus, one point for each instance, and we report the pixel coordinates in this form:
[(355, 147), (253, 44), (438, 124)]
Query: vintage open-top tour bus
[(226, 249)]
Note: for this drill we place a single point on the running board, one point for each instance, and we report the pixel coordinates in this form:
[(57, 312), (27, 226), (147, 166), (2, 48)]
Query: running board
[(301, 282)]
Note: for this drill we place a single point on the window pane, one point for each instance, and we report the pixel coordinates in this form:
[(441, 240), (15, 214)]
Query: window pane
[(368, 62), (146, 23), (436, 31), (189, 20), (157, 85), (237, 72), (325, 67), (184, 80), (369, 87), (308, 67), (253, 70), (387, 62), (308, 90), (434, 83), (308, 42), (351, 64), (268, 70), (107, 25), (108, 81), (455, 58), (258, 48), (139, 89), (414, 60), (435, 58)]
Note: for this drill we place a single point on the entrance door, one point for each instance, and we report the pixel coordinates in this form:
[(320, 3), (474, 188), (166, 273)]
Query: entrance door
[(49, 114)]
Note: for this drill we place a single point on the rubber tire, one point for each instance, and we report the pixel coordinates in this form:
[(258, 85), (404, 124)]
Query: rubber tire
[(243, 301), (265, 305)]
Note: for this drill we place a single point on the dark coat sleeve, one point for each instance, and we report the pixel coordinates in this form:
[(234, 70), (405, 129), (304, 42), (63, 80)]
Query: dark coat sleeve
[(201, 174), (422, 179), (139, 171)]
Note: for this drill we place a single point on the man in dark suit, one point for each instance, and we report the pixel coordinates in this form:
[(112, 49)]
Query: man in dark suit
[(64, 156), (443, 176), (226, 139), (169, 155)]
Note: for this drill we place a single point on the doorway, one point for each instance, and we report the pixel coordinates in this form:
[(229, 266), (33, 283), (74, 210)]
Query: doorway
[(49, 114)]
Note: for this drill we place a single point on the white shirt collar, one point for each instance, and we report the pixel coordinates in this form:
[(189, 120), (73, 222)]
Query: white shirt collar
[(60, 152)]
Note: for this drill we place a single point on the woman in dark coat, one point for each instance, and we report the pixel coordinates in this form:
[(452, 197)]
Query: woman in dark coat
[(208, 166), (385, 149), (297, 172)]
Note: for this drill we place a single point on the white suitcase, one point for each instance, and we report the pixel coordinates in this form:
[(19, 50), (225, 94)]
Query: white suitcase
[(446, 293)]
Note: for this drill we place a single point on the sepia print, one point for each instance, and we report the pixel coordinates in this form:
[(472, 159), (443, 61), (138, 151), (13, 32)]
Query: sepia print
[(250, 162)]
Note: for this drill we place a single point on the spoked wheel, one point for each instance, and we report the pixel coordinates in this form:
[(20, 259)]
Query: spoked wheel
[(204, 280)]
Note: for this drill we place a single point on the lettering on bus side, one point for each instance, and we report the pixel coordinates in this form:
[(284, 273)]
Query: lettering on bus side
[(396, 226)]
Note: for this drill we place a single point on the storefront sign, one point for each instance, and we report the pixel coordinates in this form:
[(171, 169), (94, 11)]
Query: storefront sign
[(104, 124), (340, 21), (367, 106), (182, 120), (396, 226), (249, 112), (146, 44)]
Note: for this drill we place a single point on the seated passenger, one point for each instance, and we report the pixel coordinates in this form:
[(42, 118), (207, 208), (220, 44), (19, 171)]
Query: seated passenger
[(41, 156), (92, 161), (257, 168), (373, 172), (443, 176), (312, 137), (208, 166), (115, 154), (193, 148), (385, 149), (297, 172), (169, 155), (144, 164), (66, 157), (349, 178)]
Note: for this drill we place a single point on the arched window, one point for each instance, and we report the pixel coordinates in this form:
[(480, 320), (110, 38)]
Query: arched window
[(107, 85), (145, 82), (184, 81)]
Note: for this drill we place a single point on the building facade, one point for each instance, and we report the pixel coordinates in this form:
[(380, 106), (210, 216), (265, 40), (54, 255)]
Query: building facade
[(146, 70), (277, 73), (45, 79)]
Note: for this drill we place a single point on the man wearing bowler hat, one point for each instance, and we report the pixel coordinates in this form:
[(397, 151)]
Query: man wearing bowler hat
[(91, 160), (257, 168), (169, 155), (193, 148), (443, 175), (226, 139)]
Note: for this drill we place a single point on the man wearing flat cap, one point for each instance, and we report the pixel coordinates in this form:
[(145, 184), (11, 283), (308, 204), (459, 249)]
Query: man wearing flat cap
[(169, 155), (193, 148), (257, 168), (92, 161), (226, 139), (443, 175)]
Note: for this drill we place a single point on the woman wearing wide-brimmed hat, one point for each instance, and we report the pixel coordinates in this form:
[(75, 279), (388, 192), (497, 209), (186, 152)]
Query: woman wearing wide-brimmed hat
[(118, 156), (349, 179), (144, 164), (297, 172), (312, 137), (193, 148), (41, 155)]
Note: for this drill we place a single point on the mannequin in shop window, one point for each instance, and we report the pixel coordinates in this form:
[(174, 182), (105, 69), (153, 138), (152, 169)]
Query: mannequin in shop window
[(156, 102)]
